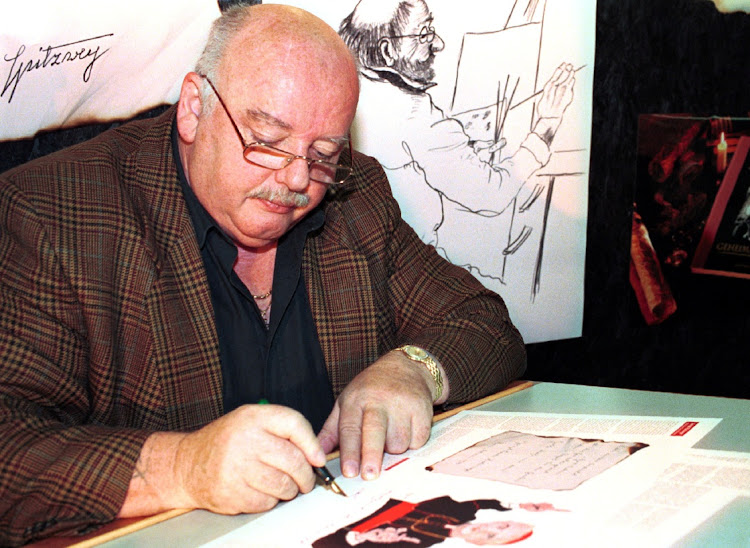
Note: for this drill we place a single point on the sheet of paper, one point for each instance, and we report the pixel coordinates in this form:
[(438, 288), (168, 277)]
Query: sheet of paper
[(552, 462), (491, 60), (616, 466), (696, 484)]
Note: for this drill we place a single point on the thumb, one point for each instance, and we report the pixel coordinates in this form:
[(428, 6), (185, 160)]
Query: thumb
[(498, 145)]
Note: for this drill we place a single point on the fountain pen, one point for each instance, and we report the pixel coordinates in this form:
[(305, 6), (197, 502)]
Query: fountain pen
[(327, 478), (321, 471)]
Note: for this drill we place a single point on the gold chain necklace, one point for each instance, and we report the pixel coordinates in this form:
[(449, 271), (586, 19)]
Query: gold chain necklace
[(263, 311)]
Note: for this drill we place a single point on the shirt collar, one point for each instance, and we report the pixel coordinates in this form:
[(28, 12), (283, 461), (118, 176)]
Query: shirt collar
[(387, 74)]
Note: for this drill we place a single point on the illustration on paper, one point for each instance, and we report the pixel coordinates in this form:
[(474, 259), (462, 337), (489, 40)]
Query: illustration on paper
[(480, 115)]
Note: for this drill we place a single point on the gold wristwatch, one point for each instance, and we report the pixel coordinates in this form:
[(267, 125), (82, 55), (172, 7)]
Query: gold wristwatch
[(422, 356)]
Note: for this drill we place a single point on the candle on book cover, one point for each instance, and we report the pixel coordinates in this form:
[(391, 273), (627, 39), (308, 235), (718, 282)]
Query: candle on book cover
[(721, 155)]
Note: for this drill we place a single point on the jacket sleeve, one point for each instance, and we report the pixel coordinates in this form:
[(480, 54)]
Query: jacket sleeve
[(431, 302), (61, 468), (447, 156)]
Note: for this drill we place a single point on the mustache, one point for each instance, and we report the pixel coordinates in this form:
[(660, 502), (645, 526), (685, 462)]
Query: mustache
[(282, 196)]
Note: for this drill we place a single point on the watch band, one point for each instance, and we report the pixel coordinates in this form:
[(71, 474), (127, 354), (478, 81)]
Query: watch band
[(420, 355)]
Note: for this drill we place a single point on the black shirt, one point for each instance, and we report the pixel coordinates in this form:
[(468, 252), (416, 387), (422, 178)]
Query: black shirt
[(283, 364)]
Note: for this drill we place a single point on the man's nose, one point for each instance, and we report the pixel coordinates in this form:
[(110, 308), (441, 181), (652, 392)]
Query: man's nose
[(296, 175), (437, 43)]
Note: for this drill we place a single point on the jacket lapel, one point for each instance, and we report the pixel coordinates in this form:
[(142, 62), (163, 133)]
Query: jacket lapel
[(341, 297), (186, 345)]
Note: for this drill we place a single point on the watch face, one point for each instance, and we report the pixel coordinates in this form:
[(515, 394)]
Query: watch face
[(416, 352)]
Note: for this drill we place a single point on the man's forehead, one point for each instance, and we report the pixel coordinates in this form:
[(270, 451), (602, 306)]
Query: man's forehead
[(375, 12), (427, 19), (293, 87), (421, 16), (260, 116)]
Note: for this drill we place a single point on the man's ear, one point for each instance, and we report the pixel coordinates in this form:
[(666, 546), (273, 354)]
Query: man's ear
[(386, 51), (189, 106)]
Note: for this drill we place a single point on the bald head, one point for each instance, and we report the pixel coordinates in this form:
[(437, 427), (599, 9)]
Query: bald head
[(377, 12), (272, 35), (373, 20), (286, 80), (272, 27)]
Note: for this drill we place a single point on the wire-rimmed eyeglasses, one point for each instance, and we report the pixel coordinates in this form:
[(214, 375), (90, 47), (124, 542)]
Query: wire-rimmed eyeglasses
[(426, 35), (270, 157)]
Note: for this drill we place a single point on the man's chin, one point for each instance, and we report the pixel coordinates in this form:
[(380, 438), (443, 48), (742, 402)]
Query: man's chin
[(254, 243), (256, 237), (421, 73), (424, 79)]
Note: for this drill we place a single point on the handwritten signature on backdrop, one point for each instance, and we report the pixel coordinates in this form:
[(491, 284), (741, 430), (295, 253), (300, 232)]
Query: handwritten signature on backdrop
[(85, 52)]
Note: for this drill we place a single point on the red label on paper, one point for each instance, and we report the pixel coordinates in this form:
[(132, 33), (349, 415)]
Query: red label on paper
[(397, 463), (685, 428)]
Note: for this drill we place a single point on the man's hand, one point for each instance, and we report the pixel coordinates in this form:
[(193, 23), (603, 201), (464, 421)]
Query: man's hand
[(488, 151), (557, 95), (386, 407), (244, 462)]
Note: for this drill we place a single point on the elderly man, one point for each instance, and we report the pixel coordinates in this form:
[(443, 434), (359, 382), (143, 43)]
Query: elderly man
[(163, 279), (437, 173)]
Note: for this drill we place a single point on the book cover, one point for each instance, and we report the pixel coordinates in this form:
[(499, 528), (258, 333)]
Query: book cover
[(724, 247), (682, 161)]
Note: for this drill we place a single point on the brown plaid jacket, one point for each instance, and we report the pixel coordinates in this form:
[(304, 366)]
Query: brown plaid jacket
[(106, 321)]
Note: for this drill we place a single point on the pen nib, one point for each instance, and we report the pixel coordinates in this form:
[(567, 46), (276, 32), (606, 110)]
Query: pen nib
[(327, 479), (336, 489)]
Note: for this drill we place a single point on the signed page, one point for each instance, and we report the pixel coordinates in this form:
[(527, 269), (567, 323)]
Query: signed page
[(491, 474), (81, 61), (549, 462)]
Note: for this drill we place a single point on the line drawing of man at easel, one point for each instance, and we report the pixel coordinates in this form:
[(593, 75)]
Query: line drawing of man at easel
[(449, 173)]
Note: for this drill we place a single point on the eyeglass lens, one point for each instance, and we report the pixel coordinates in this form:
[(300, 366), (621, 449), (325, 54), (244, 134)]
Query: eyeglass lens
[(427, 34), (272, 158)]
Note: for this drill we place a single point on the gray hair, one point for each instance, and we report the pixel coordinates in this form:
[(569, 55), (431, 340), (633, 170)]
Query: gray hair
[(223, 30), (362, 37)]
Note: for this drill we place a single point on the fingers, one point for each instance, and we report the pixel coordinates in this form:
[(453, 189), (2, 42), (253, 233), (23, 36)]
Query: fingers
[(249, 459), (421, 426), (269, 485), (292, 449), (562, 74), (349, 425), (398, 433), (489, 146), (565, 72), (288, 424), (364, 442), (568, 76), (387, 407), (375, 428), (558, 92), (365, 434), (554, 80), (569, 71), (286, 472), (329, 434), (566, 79), (498, 145)]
